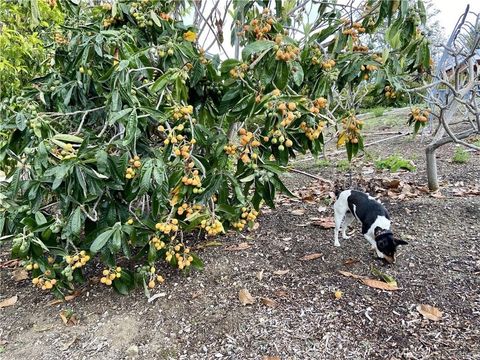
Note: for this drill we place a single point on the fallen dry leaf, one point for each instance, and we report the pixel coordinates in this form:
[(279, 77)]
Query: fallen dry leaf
[(254, 227), (437, 195), (245, 297), (9, 302), (281, 293), (269, 302), (281, 272), (379, 284), (325, 223), (239, 247), (260, 275), (322, 209), (298, 212), (430, 312), (350, 261), (349, 274), (271, 358), (19, 274), (68, 318), (311, 257), (68, 344), (197, 294)]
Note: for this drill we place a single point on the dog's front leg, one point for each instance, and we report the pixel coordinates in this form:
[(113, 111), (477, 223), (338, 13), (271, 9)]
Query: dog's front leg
[(372, 242)]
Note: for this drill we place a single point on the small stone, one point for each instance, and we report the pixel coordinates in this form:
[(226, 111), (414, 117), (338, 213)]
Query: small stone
[(132, 351)]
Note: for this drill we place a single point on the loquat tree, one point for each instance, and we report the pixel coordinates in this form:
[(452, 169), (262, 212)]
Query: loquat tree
[(119, 151)]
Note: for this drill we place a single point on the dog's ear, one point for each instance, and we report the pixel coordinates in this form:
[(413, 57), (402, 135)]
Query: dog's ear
[(400, 242)]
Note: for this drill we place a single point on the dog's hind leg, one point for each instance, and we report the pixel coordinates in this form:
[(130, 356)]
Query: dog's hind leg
[(338, 225), (346, 222)]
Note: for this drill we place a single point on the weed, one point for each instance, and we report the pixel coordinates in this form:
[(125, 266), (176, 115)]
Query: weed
[(343, 164), (323, 162), (460, 156), (394, 163)]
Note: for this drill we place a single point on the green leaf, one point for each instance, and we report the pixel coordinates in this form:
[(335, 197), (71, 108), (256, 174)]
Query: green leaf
[(131, 128), (101, 241), (118, 115), (281, 75), (40, 219), (256, 47), (297, 72), (76, 221)]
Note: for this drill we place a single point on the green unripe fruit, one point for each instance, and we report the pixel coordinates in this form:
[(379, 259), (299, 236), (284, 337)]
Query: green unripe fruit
[(281, 148), (274, 140)]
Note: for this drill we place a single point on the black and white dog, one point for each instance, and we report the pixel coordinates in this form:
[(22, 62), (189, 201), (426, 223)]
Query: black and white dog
[(352, 204)]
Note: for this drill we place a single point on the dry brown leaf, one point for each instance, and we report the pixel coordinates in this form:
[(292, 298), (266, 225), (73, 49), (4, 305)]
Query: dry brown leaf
[(379, 284), (350, 261), (197, 294), (298, 212), (239, 247), (254, 227), (325, 223), (430, 312), (271, 357), (245, 297), (269, 302), (260, 275), (19, 274), (437, 195), (281, 293), (9, 302), (68, 318), (281, 272), (349, 274), (311, 257), (208, 244)]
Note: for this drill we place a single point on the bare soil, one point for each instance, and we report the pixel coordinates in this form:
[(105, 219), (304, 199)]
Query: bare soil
[(199, 316)]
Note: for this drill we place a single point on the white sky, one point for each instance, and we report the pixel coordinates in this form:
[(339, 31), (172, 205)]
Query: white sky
[(450, 11)]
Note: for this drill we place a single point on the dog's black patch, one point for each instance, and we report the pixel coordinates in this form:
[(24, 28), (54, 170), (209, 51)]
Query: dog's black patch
[(387, 244), (365, 209)]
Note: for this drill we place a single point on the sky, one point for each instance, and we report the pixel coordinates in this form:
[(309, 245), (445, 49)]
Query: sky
[(450, 11)]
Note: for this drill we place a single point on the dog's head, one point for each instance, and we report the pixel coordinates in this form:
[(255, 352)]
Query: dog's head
[(387, 244)]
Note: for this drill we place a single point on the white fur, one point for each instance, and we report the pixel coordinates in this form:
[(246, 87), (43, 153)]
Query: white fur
[(343, 219)]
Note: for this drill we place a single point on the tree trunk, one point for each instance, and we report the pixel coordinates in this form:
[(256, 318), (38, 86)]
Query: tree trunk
[(431, 167)]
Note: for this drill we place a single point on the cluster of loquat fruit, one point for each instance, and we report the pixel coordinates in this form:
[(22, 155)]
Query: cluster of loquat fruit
[(109, 275), (318, 104), (167, 227), (260, 27), (366, 69), (419, 115), (312, 133), (287, 53), (247, 138), (64, 152), (193, 180), (60, 39), (135, 164), (153, 277), (182, 112), (78, 260), (157, 243), (328, 64), (187, 209), (183, 151), (277, 138), (352, 126), (238, 72), (354, 30), (287, 111), (181, 255), (212, 226), (360, 48), (137, 10), (390, 92), (230, 149), (44, 283)]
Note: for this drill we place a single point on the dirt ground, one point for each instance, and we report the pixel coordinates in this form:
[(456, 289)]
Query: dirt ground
[(295, 314)]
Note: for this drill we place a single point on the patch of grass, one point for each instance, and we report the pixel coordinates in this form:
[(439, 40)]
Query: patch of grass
[(460, 156), (395, 163), (477, 143), (343, 164), (378, 111), (323, 162)]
